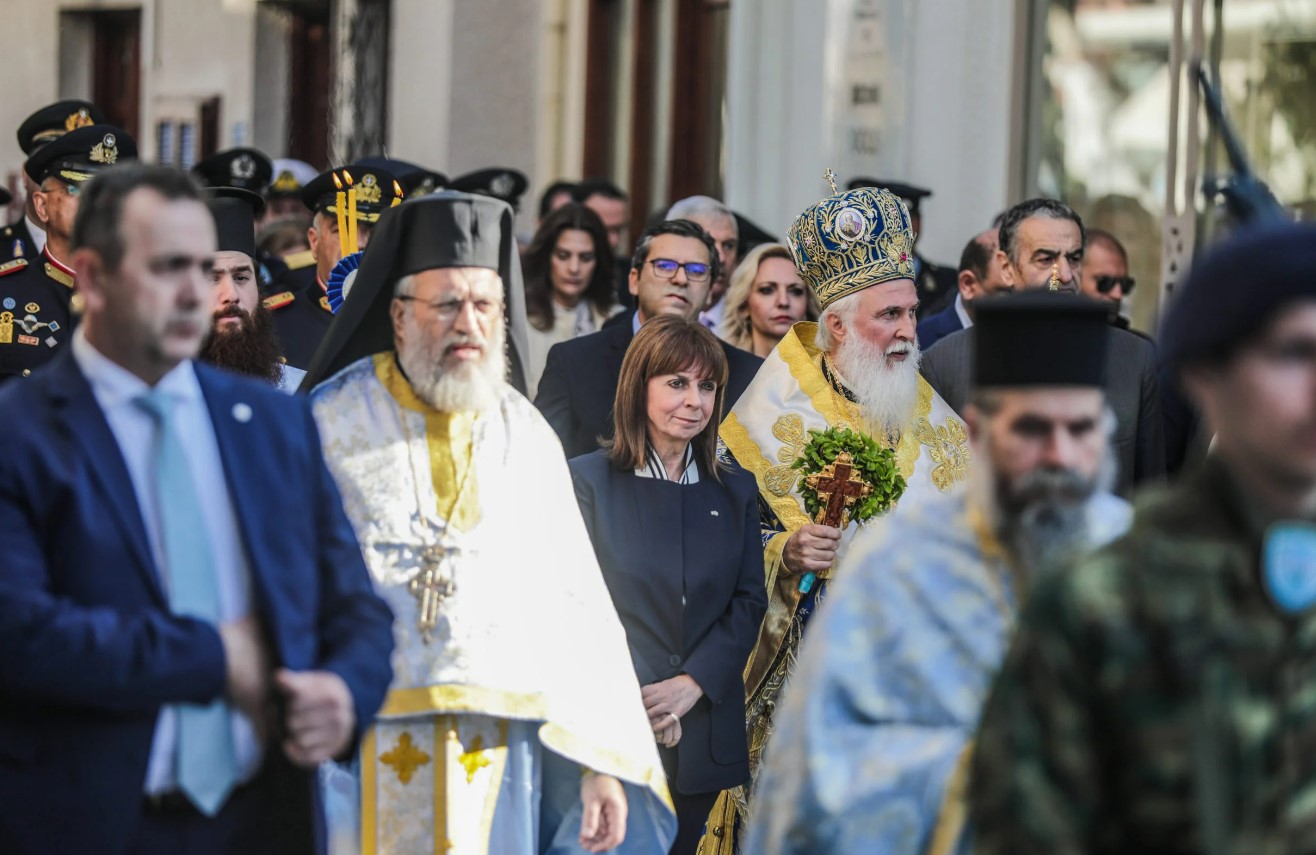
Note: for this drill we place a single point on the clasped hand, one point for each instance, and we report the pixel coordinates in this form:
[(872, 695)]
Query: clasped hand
[(666, 702), (320, 719)]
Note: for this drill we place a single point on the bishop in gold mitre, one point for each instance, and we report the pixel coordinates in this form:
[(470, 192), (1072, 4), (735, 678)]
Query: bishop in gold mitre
[(514, 722), (857, 367)]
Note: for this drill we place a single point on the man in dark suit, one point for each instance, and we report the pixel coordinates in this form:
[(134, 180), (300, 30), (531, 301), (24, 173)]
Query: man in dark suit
[(674, 266), (980, 276), (1041, 246), (177, 659)]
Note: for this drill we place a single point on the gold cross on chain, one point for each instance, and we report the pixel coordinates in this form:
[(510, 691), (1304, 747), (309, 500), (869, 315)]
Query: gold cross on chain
[(431, 586)]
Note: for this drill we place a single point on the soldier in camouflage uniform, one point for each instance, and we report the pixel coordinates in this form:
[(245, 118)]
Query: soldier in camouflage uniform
[(1160, 696)]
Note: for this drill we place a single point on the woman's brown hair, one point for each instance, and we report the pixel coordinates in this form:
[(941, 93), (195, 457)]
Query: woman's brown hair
[(667, 344), (537, 261)]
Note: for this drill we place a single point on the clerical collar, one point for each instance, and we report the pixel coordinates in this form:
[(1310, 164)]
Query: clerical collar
[(653, 467), (834, 380)]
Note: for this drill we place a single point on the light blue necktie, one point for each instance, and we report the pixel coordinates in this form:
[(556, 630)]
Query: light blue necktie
[(206, 768)]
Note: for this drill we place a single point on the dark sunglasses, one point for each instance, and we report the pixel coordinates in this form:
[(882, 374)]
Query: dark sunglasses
[(1106, 284)]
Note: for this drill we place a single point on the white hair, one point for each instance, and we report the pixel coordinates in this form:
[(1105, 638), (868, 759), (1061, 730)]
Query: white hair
[(844, 310), (702, 207)]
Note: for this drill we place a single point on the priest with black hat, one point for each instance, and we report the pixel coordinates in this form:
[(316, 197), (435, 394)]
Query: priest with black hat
[(250, 170), (875, 731), (511, 661), (26, 237), (347, 202), (39, 304), (241, 336)]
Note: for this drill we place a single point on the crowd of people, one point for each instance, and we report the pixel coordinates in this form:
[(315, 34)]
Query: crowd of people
[(339, 517)]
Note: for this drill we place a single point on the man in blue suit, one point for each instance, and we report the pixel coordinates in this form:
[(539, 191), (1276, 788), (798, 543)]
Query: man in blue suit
[(980, 276), (177, 659)]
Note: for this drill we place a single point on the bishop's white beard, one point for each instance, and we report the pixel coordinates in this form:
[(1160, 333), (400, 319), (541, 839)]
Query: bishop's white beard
[(886, 393), (469, 387)]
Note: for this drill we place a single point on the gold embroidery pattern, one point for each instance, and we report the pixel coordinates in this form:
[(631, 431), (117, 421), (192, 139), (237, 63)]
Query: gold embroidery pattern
[(404, 758), (474, 759), (853, 240), (948, 446), (790, 430)]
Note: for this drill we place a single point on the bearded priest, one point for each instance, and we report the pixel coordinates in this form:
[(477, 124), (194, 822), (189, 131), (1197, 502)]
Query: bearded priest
[(857, 367), (514, 723)]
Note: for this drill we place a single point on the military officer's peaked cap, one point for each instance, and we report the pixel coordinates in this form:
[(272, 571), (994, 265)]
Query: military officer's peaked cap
[(498, 182), (375, 191), (54, 121), (247, 168), (81, 153), (1236, 288), (415, 180)]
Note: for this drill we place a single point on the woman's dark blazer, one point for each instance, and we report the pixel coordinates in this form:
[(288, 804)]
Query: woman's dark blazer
[(656, 540)]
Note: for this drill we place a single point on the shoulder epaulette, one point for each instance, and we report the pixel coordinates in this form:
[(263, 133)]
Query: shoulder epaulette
[(278, 301), (298, 260), (12, 266)]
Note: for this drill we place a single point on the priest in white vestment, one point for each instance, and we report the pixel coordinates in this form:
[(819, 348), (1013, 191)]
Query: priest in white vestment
[(873, 735), (514, 723), (857, 367)]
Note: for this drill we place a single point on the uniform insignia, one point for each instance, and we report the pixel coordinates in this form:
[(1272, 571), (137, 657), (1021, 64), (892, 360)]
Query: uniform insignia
[(106, 151), (1288, 563), (59, 275), (369, 191), (9, 303), (31, 308), (29, 339), (77, 302), (324, 304), (278, 301), (6, 327), (18, 249), (298, 260), (80, 119), (13, 266), (51, 341)]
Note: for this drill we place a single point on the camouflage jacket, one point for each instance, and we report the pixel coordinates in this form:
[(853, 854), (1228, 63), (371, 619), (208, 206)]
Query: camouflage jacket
[(1154, 699)]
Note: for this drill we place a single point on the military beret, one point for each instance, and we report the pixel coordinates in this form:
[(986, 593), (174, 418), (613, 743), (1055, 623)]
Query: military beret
[(1238, 286), (54, 121), (498, 182), (247, 168), (415, 180), (78, 155)]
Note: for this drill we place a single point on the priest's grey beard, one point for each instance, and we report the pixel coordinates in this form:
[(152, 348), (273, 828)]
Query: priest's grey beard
[(1041, 516), (469, 387), (886, 393)]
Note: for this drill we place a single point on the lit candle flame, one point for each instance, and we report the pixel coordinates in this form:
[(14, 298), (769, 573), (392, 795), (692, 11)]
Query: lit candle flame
[(397, 195)]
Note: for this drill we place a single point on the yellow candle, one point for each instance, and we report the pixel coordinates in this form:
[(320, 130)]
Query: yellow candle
[(340, 209), (351, 214)]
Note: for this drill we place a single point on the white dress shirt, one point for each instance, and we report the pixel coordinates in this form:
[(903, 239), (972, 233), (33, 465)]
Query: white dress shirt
[(962, 312), (38, 236), (134, 430)]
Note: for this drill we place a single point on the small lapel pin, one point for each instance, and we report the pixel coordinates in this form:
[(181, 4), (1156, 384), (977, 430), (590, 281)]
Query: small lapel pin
[(242, 412), (714, 513)]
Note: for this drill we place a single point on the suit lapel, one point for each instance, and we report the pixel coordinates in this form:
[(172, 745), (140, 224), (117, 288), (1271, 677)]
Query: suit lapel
[(230, 417), (75, 407)]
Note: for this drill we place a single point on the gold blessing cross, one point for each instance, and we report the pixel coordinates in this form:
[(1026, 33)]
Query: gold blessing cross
[(838, 487), (430, 586)]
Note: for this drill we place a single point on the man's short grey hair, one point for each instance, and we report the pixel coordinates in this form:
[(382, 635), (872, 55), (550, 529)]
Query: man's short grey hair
[(703, 207), (845, 310), (402, 287)]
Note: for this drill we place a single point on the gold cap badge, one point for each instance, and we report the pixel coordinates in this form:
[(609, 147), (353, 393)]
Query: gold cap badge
[(106, 151)]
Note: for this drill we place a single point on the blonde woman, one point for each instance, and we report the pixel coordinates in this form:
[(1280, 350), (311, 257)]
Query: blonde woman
[(765, 298)]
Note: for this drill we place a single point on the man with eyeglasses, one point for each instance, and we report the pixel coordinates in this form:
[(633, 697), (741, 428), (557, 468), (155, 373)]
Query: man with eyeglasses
[(672, 271), (1042, 245), (39, 303), (512, 672)]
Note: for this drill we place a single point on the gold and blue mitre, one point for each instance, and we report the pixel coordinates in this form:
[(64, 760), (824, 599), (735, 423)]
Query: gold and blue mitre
[(852, 240)]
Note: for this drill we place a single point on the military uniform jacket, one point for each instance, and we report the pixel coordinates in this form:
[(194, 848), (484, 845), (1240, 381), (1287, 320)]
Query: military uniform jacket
[(36, 314), (1155, 698), (301, 315)]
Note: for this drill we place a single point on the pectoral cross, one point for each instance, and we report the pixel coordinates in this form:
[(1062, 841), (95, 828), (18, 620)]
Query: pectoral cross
[(431, 586), (839, 487)]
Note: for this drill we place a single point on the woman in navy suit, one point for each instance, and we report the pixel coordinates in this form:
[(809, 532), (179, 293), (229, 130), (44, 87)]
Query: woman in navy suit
[(677, 536)]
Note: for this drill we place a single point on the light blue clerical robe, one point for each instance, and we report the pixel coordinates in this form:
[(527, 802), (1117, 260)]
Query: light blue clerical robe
[(889, 687)]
